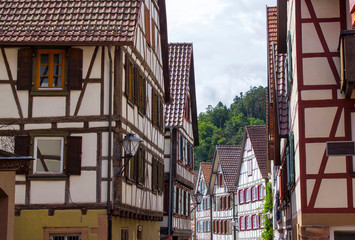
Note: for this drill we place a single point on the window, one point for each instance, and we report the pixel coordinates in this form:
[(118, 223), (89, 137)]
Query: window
[(247, 195), (140, 232), (250, 167), (255, 221), (157, 110), (248, 222), (65, 237), (157, 175), (290, 162), (129, 80), (51, 72), (147, 24), (142, 94), (137, 167), (255, 193), (124, 234), (48, 154), (241, 196), (242, 223), (50, 69)]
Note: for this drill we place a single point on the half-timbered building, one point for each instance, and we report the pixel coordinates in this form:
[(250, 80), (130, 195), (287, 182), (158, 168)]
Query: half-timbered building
[(76, 77), (251, 180), (318, 38), (222, 191), (181, 136), (203, 210), (280, 148)]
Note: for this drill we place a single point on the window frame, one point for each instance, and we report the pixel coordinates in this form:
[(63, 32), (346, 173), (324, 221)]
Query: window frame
[(250, 167), (241, 196), (48, 232), (51, 64), (35, 153)]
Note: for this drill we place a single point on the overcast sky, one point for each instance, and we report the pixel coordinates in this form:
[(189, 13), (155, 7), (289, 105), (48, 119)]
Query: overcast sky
[(229, 41)]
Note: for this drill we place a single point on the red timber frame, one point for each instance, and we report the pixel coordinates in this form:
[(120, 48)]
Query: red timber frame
[(345, 106)]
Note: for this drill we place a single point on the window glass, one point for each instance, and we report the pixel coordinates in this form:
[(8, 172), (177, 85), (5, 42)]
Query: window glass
[(50, 69), (48, 154)]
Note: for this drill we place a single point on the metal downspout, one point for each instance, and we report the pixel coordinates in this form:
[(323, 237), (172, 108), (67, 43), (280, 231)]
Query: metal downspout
[(109, 213), (234, 227), (170, 182)]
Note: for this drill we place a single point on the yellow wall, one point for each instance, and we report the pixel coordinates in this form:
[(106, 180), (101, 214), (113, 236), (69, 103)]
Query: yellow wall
[(7, 184), (32, 224), (150, 229)]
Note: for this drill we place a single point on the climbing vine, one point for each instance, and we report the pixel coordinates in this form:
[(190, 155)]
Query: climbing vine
[(268, 233)]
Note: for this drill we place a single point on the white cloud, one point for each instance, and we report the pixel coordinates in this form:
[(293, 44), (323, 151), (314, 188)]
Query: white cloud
[(229, 38)]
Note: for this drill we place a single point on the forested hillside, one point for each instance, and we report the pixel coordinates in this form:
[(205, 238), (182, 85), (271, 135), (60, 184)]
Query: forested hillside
[(221, 125)]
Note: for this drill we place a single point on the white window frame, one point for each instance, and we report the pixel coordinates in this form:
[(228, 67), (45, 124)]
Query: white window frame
[(241, 196), (250, 167), (35, 154)]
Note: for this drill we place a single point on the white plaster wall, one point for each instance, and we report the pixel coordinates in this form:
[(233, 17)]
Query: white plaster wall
[(90, 104), (49, 106), (319, 77), (308, 95), (54, 194), (70, 125), (89, 148), (87, 55), (74, 97), (20, 194), (331, 34), (38, 126), (11, 55), (310, 40), (318, 121), (83, 187), (104, 191), (337, 198), (326, 8), (7, 102)]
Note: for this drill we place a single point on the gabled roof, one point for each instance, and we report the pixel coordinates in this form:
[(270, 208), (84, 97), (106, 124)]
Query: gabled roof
[(206, 170), (182, 83), (68, 22), (258, 139), (229, 159)]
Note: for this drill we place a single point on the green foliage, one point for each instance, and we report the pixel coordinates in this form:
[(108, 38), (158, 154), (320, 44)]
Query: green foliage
[(221, 125), (268, 233)]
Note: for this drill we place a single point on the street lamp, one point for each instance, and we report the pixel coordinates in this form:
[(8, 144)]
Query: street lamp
[(198, 199), (130, 145)]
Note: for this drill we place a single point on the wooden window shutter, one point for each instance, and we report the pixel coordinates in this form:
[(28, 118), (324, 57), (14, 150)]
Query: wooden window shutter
[(137, 86), (73, 156), (161, 115), (22, 148), (75, 69), (161, 177), (24, 69), (166, 198), (153, 35), (126, 76), (155, 174), (147, 24)]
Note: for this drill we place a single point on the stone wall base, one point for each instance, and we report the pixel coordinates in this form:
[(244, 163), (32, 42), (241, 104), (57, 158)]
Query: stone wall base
[(313, 232)]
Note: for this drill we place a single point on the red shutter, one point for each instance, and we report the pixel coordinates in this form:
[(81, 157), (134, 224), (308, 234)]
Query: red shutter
[(22, 148), (73, 156), (75, 69), (24, 69)]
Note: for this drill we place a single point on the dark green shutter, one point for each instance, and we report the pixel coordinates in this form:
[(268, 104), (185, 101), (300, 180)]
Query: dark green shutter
[(290, 162), (24, 69), (75, 69)]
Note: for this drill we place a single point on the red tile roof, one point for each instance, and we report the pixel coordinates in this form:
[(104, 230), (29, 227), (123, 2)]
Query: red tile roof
[(68, 22), (258, 139), (206, 168), (180, 57), (229, 160), (276, 66)]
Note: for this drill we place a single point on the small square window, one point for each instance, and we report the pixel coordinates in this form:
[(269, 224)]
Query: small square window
[(48, 154)]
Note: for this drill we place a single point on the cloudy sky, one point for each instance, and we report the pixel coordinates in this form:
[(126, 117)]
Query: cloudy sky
[(229, 41)]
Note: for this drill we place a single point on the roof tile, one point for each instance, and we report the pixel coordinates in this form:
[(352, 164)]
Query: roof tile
[(258, 138), (62, 20), (228, 158)]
